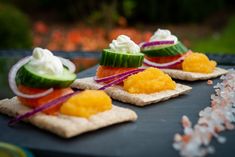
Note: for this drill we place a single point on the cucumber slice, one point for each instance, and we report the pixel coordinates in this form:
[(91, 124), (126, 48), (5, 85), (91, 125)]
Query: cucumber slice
[(171, 50), (29, 77), (114, 59)]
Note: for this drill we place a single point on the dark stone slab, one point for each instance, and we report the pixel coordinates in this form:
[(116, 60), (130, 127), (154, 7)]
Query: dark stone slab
[(151, 135)]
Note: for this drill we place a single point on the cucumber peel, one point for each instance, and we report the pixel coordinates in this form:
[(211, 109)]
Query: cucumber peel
[(170, 50), (114, 59), (29, 77)]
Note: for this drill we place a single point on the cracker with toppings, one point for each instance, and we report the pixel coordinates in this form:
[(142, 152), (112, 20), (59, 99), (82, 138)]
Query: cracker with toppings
[(121, 64), (68, 126), (165, 51)]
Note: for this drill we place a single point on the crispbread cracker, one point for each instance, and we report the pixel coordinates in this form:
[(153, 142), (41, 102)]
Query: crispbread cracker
[(117, 92), (68, 126), (192, 76)]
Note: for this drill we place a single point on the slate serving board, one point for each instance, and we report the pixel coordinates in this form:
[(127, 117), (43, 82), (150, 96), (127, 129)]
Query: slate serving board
[(151, 135)]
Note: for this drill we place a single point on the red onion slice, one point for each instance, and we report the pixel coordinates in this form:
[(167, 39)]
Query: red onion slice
[(68, 64), (12, 82), (156, 43), (109, 78), (117, 81), (164, 65)]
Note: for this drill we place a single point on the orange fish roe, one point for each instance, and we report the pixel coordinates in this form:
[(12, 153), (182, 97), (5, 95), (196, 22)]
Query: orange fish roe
[(87, 103), (150, 80), (198, 62)]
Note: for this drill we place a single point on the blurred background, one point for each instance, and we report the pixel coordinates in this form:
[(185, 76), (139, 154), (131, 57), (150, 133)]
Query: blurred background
[(69, 25)]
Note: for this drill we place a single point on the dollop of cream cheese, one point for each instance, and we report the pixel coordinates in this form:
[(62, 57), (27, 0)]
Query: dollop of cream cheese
[(163, 34), (44, 62), (123, 44)]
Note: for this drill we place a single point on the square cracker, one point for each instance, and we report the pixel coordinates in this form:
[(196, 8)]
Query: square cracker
[(192, 76), (68, 126), (117, 92)]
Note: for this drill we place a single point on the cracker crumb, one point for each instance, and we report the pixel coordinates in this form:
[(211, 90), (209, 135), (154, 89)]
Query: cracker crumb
[(209, 82)]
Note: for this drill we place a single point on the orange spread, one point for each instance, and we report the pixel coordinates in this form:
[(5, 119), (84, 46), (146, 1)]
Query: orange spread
[(87, 103), (198, 62), (150, 80)]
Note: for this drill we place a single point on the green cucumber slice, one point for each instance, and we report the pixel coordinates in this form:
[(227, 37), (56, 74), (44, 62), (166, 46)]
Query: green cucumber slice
[(114, 59), (171, 50), (29, 77)]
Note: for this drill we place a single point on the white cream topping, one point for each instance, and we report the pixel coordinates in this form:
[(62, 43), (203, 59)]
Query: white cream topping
[(123, 44), (163, 34), (44, 62)]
